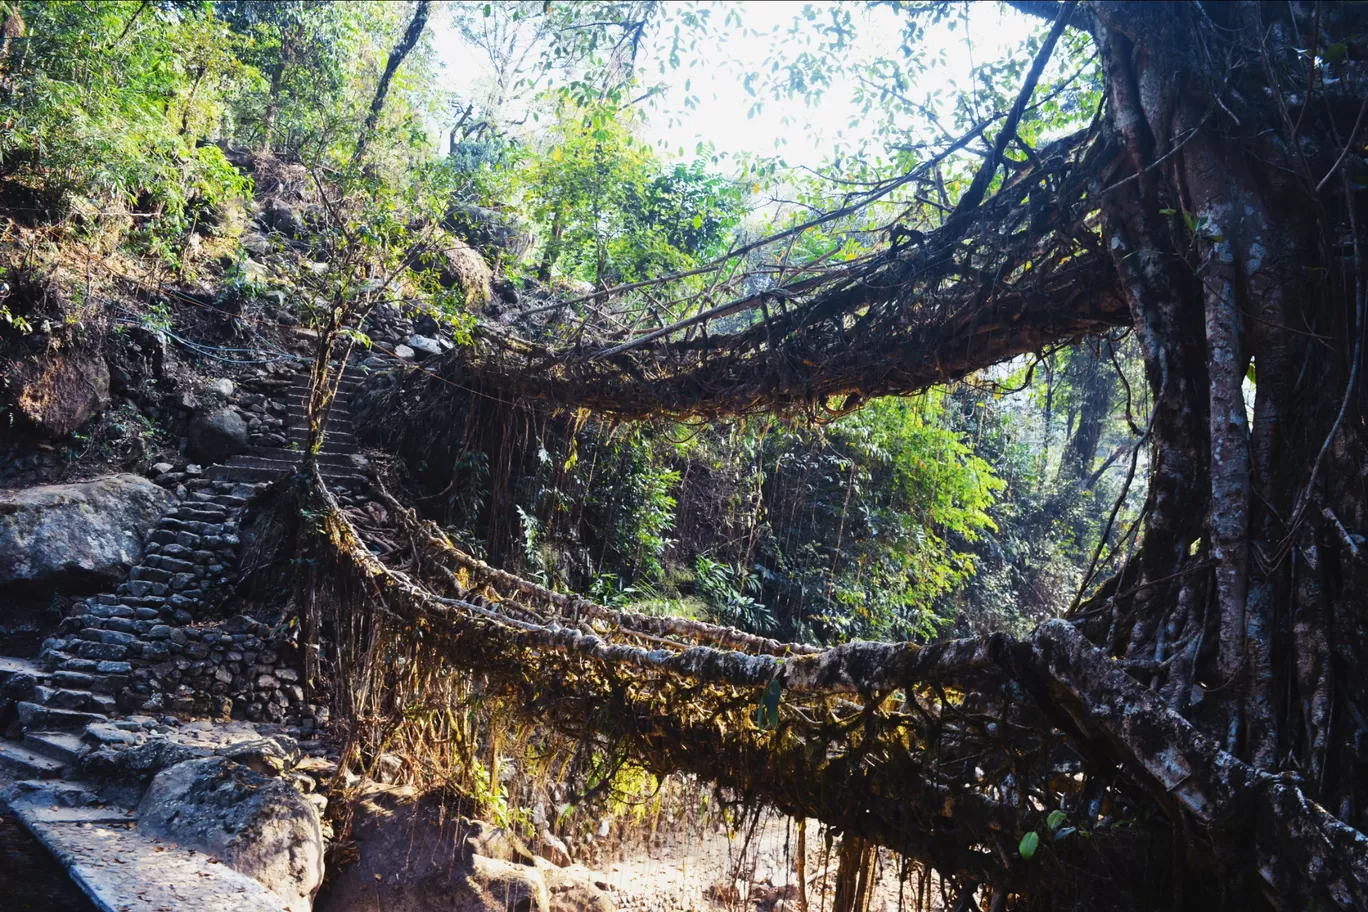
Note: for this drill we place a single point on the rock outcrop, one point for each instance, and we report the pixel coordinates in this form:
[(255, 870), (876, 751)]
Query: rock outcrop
[(58, 392), (496, 233), (76, 537), (258, 826), (277, 215), (416, 857), (456, 265)]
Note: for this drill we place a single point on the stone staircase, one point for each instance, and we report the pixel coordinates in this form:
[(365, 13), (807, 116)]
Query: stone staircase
[(154, 644), (95, 838), (155, 618), (339, 459), (54, 737)]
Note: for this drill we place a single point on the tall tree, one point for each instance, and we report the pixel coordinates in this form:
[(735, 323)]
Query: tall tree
[(401, 50)]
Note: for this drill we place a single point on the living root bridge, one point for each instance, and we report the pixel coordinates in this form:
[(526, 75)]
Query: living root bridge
[(948, 754), (1025, 270)]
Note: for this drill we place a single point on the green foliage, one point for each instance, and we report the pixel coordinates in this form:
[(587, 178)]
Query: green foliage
[(767, 711), (1061, 442), (109, 101), (631, 510), (318, 65), (859, 520), (731, 591), (610, 212)]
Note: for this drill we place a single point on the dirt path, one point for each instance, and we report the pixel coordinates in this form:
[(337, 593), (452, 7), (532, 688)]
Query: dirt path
[(712, 871)]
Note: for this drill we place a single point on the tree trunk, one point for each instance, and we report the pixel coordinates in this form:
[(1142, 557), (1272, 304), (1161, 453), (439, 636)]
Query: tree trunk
[(1232, 249), (1092, 379), (401, 50), (551, 253), (289, 44)]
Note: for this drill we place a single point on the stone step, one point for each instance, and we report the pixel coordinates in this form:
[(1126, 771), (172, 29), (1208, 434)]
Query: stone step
[(295, 413), (263, 462), (250, 468), (79, 699), (62, 698), (227, 501), (298, 439), (334, 434), (35, 716), (299, 405), (72, 680), (297, 431), (55, 659), (64, 747), (344, 386), (104, 704), (289, 457), (357, 482), (287, 454), (24, 763), (201, 512), (336, 448), (244, 473), (64, 793), (338, 458)]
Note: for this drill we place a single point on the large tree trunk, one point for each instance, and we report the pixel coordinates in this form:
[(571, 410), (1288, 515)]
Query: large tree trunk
[(1233, 246)]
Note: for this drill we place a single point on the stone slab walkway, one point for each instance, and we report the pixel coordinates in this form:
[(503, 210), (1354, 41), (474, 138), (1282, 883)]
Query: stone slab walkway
[(123, 871)]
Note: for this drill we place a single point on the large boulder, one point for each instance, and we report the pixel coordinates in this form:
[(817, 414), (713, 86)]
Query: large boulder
[(496, 233), (424, 346), (217, 436), (260, 827), (58, 392), (276, 215), (457, 266), (76, 537)]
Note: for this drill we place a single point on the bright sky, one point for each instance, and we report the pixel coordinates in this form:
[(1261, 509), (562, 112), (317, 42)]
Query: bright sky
[(716, 70)]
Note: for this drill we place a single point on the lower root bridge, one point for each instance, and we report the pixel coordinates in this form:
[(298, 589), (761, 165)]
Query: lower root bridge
[(949, 754)]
